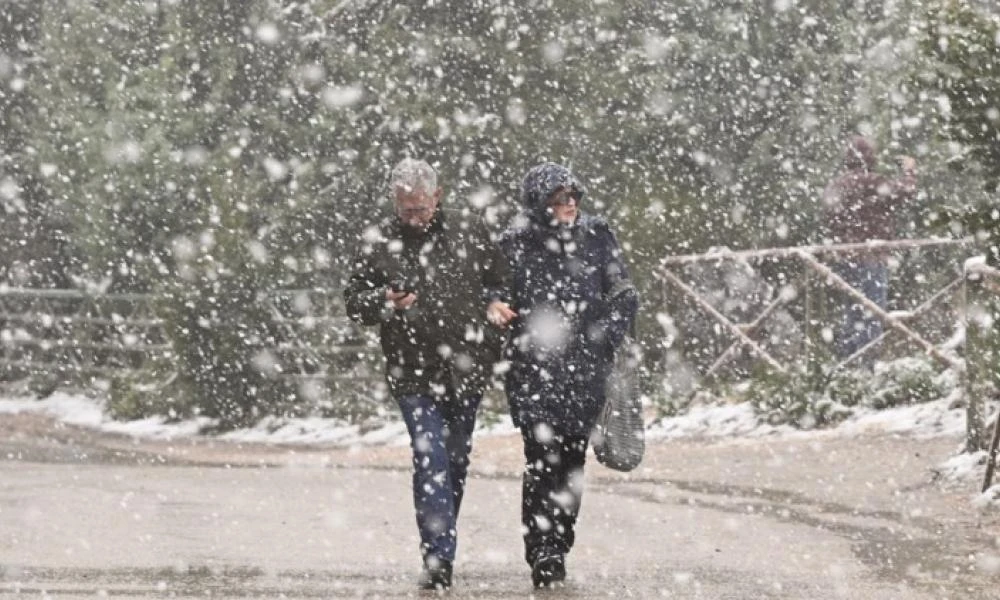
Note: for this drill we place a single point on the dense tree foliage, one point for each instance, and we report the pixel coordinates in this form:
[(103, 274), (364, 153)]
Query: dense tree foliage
[(209, 151), (963, 45)]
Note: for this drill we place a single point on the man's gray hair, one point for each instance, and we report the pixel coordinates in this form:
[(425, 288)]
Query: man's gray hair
[(412, 174)]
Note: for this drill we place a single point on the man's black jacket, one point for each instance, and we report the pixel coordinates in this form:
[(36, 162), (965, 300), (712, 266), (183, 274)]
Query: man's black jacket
[(442, 345)]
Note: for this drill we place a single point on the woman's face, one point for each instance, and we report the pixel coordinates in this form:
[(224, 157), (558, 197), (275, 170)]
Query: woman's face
[(563, 205)]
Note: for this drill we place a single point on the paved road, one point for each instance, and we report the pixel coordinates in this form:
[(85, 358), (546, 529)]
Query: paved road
[(86, 515)]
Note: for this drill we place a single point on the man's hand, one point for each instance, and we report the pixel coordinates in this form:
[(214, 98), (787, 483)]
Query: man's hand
[(908, 164), (500, 314), (400, 300)]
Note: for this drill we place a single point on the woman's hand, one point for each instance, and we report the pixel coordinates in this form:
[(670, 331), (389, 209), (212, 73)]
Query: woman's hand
[(500, 314)]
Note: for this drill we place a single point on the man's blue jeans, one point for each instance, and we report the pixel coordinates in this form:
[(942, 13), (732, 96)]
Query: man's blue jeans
[(870, 276), (441, 439)]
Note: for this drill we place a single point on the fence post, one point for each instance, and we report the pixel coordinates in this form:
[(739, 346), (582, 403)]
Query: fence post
[(976, 310), (814, 368)]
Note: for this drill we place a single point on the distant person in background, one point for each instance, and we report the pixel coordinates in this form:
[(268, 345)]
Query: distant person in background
[(434, 282), (863, 205), (575, 303)]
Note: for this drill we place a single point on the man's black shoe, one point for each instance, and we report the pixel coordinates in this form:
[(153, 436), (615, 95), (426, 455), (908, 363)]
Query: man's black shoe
[(548, 571), (435, 576)]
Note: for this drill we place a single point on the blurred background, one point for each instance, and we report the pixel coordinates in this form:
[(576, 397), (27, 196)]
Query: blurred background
[(184, 182)]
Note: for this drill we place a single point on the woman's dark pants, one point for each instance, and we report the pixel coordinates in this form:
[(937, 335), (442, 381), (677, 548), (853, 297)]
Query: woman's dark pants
[(551, 491)]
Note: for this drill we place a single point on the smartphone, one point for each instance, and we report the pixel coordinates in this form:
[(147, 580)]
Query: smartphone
[(400, 285)]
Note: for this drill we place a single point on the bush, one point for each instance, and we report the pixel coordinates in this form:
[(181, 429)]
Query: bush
[(137, 395), (220, 335), (849, 387), (791, 398), (906, 381), (672, 405)]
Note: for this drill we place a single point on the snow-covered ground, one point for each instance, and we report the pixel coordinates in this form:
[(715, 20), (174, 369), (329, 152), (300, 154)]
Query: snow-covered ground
[(721, 422), (86, 411), (706, 421), (738, 420)]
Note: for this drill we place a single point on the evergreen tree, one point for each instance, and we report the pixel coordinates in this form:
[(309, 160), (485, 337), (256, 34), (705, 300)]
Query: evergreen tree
[(962, 44), (136, 130)]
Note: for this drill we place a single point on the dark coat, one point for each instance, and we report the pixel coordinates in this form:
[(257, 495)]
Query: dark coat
[(575, 305), (861, 204), (442, 345)]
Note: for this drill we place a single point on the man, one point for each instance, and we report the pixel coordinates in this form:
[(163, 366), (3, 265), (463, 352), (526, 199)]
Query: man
[(862, 205), (433, 281)]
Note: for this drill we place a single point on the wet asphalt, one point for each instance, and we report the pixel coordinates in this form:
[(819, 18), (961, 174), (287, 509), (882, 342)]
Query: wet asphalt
[(87, 516)]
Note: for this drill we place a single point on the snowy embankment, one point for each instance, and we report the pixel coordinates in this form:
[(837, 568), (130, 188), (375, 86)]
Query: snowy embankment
[(721, 422), (87, 411), (740, 421), (715, 421)]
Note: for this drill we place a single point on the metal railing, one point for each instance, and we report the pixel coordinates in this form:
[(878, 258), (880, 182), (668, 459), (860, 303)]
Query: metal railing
[(64, 332), (72, 334)]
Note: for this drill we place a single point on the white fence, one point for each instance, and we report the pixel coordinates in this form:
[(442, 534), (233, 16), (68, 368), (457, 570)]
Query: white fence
[(933, 324)]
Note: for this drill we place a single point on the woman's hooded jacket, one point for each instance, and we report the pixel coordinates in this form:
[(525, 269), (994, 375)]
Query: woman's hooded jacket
[(575, 305)]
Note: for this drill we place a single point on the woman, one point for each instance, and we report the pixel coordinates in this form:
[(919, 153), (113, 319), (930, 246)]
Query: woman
[(574, 304)]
